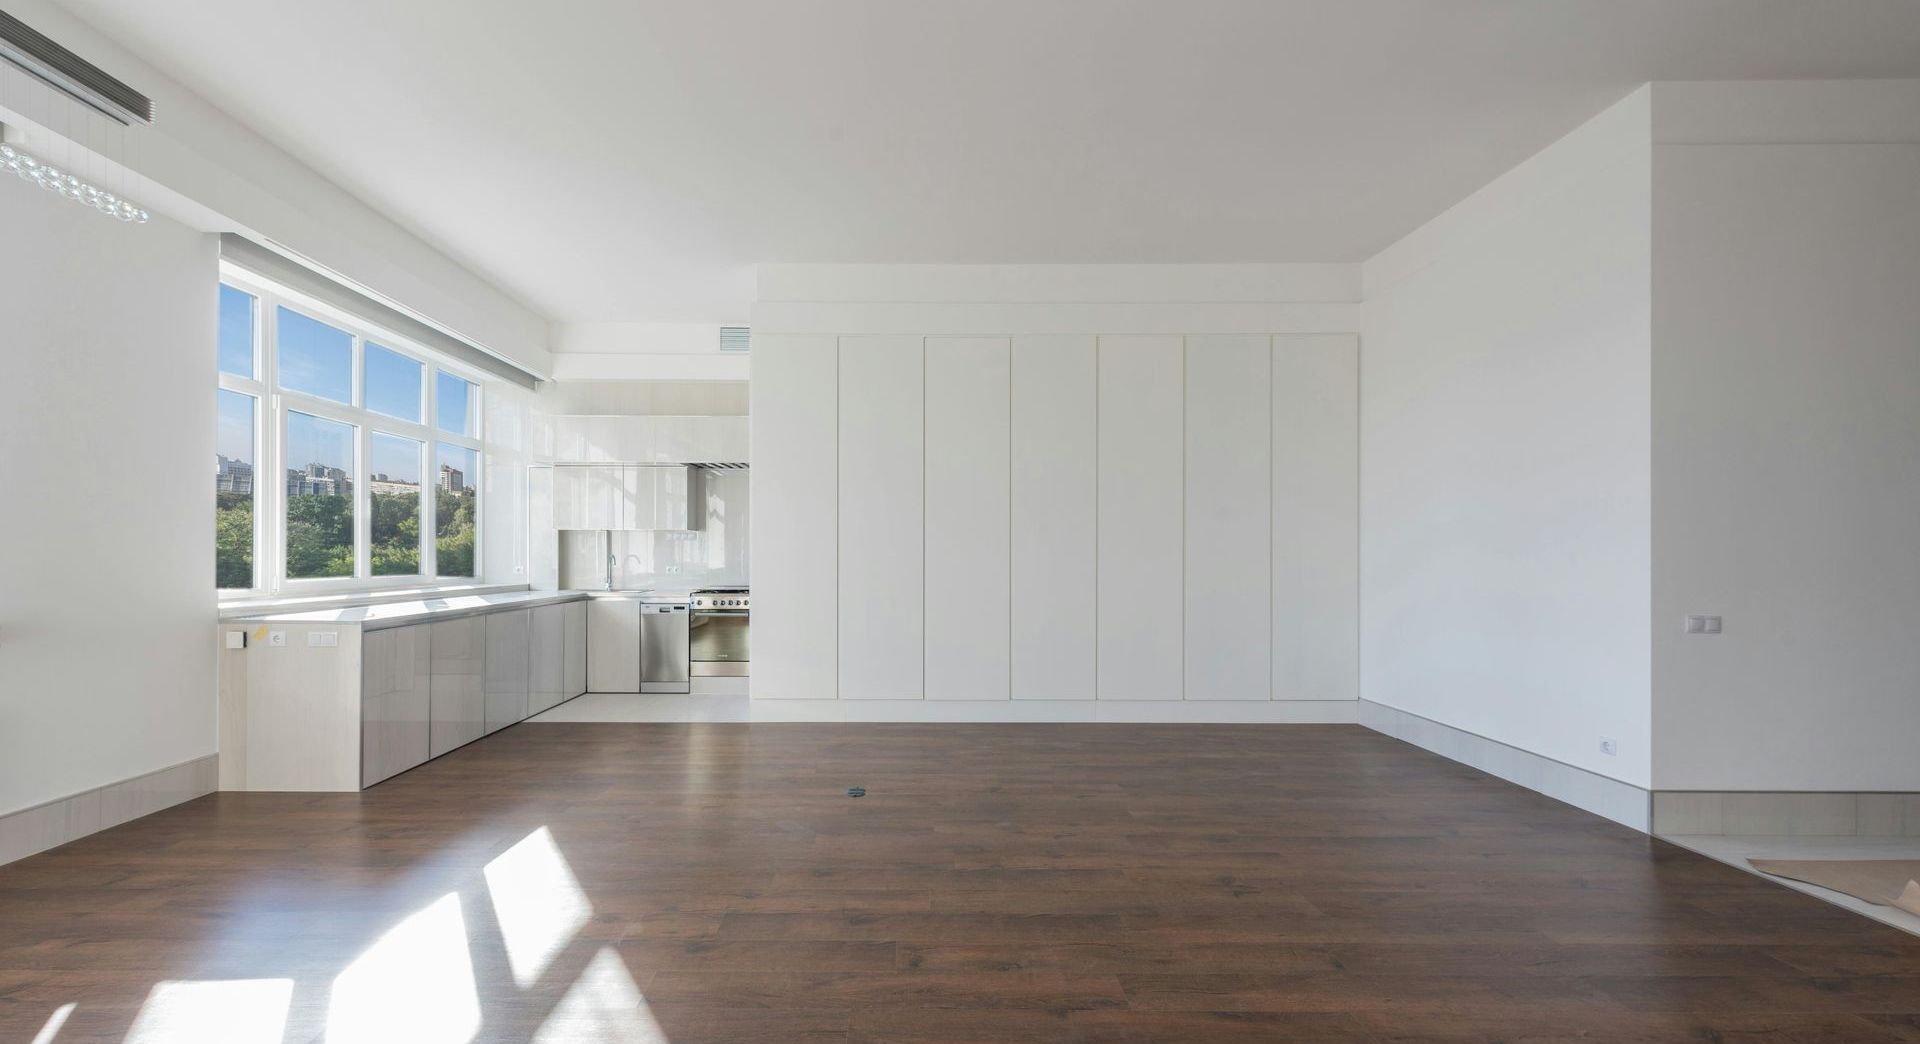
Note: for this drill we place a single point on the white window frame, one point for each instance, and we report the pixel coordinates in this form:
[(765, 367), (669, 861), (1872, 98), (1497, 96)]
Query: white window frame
[(272, 406)]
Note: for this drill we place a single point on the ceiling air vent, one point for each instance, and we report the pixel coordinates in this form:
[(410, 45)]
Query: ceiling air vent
[(70, 73), (735, 338)]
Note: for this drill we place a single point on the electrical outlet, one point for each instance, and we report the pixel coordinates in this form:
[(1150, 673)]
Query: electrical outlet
[(1702, 624), (277, 639), (323, 639), (1609, 747)]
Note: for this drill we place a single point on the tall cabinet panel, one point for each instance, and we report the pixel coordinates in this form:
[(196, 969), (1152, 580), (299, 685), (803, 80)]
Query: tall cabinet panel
[(507, 634), (1229, 530), (968, 518), (1316, 511), (1140, 542), (573, 678), (394, 678), (459, 702), (546, 657), (882, 522), (1053, 489), (795, 391)]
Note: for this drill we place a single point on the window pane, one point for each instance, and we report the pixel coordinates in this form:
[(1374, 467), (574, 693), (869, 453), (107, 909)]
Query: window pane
[(319, 497), (393, 383), (456, 503), (393, 488), (459, 404), (236, 331), (314, 358), (233, 492)]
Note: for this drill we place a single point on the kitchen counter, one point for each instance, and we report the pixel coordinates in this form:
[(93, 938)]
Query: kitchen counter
[(397, 614)]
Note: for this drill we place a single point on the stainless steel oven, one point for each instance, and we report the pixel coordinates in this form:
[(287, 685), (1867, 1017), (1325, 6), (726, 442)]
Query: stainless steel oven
[(717, 640)]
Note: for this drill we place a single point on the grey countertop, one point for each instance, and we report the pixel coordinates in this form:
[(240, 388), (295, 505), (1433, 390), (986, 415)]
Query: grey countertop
[(426, 610)]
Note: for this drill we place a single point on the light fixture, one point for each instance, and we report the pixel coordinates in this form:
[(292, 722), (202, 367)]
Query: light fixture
[(53, 179)]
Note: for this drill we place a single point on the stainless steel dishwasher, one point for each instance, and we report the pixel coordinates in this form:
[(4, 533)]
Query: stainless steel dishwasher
[(663, 647)]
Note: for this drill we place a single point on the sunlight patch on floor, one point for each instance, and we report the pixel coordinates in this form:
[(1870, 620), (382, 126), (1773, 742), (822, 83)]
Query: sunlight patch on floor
[(603, 1004), (54, 1022), (538, 903), (413, 986), (236, 1011)]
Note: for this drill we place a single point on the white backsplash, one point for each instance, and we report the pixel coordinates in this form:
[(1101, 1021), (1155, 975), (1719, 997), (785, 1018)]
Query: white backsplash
[(715, 555)]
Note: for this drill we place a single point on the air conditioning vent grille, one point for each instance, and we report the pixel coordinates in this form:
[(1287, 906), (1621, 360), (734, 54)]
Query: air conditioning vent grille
[(86, 82), (735, 339)]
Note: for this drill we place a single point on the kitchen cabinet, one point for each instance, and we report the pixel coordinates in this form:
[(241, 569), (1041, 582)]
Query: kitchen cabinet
[(395, 669), (507, 638), (1053, 464), (590, 496), (458, 704), (882, 511), (968, 518), (573, 677), (1139, 543), (1229, 536), (546, 657), (656, 497), (613, 645), (795, 562)]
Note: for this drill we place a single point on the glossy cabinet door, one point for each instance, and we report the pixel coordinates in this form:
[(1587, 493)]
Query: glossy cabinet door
[(613, 645), (969, 520), (573, 676), (395, 668), (507, 667), (589, 496), (1229, 521), (655, 496), (546, 657), (882, 512), (1053, 518), (459, 702), (1140, 541)]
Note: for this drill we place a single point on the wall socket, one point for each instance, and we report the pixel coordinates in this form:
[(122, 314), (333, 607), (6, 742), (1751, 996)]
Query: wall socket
[(323, 639), (277, 639), (1609, 747), (1698, 624)]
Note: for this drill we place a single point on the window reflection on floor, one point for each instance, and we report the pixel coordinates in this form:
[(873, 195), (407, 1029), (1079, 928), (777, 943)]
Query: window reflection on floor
[(238, 1011), (604, 1004), (413, 986), (538, 903)]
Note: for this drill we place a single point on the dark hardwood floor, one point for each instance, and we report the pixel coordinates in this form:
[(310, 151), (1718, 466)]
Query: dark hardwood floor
[(1070, 883)]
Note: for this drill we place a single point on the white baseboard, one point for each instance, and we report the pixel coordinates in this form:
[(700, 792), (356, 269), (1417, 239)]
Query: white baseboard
[(1623, 803), (36, 829), (1169, 712), (1745, 813)]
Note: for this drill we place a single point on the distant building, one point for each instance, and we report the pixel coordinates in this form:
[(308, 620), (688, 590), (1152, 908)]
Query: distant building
[(318, 480), (453, 480), (233, 476)]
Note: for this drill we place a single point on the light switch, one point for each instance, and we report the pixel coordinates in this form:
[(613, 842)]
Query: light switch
[(323, 639), (1702, 624), (236, 639)]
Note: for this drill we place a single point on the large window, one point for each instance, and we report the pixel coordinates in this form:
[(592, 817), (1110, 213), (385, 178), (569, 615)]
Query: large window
[(377, 443)]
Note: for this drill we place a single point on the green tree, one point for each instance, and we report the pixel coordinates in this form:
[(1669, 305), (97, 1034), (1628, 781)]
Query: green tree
[(320, 536), (233, 539), (453, 534)]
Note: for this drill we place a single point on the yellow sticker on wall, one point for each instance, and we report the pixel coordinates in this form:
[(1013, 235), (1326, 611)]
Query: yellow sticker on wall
[(260, 633)]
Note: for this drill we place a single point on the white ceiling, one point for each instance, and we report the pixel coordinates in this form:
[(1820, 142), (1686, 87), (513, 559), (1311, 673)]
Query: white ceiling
[(630, 159)]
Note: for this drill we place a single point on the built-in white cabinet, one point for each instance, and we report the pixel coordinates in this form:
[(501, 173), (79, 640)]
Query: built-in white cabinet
[(508, 647), (882, 522), (968, 517), (1053, 467), (458, 685), (613, 645), (589, 496), (546, 657), (795, 396), (1316, 499), (1229, 528), (675, 440), (1140, 540), (395, 671), (656, 497), (573, 677)]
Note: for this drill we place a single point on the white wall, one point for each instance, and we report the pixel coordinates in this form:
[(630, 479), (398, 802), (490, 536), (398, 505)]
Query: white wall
[(1504, 484), (1010, 493), (106, 523), (1787, 429), (204, 168)]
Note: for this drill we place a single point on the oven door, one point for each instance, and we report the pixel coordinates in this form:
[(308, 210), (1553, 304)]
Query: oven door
[(717, 645)]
